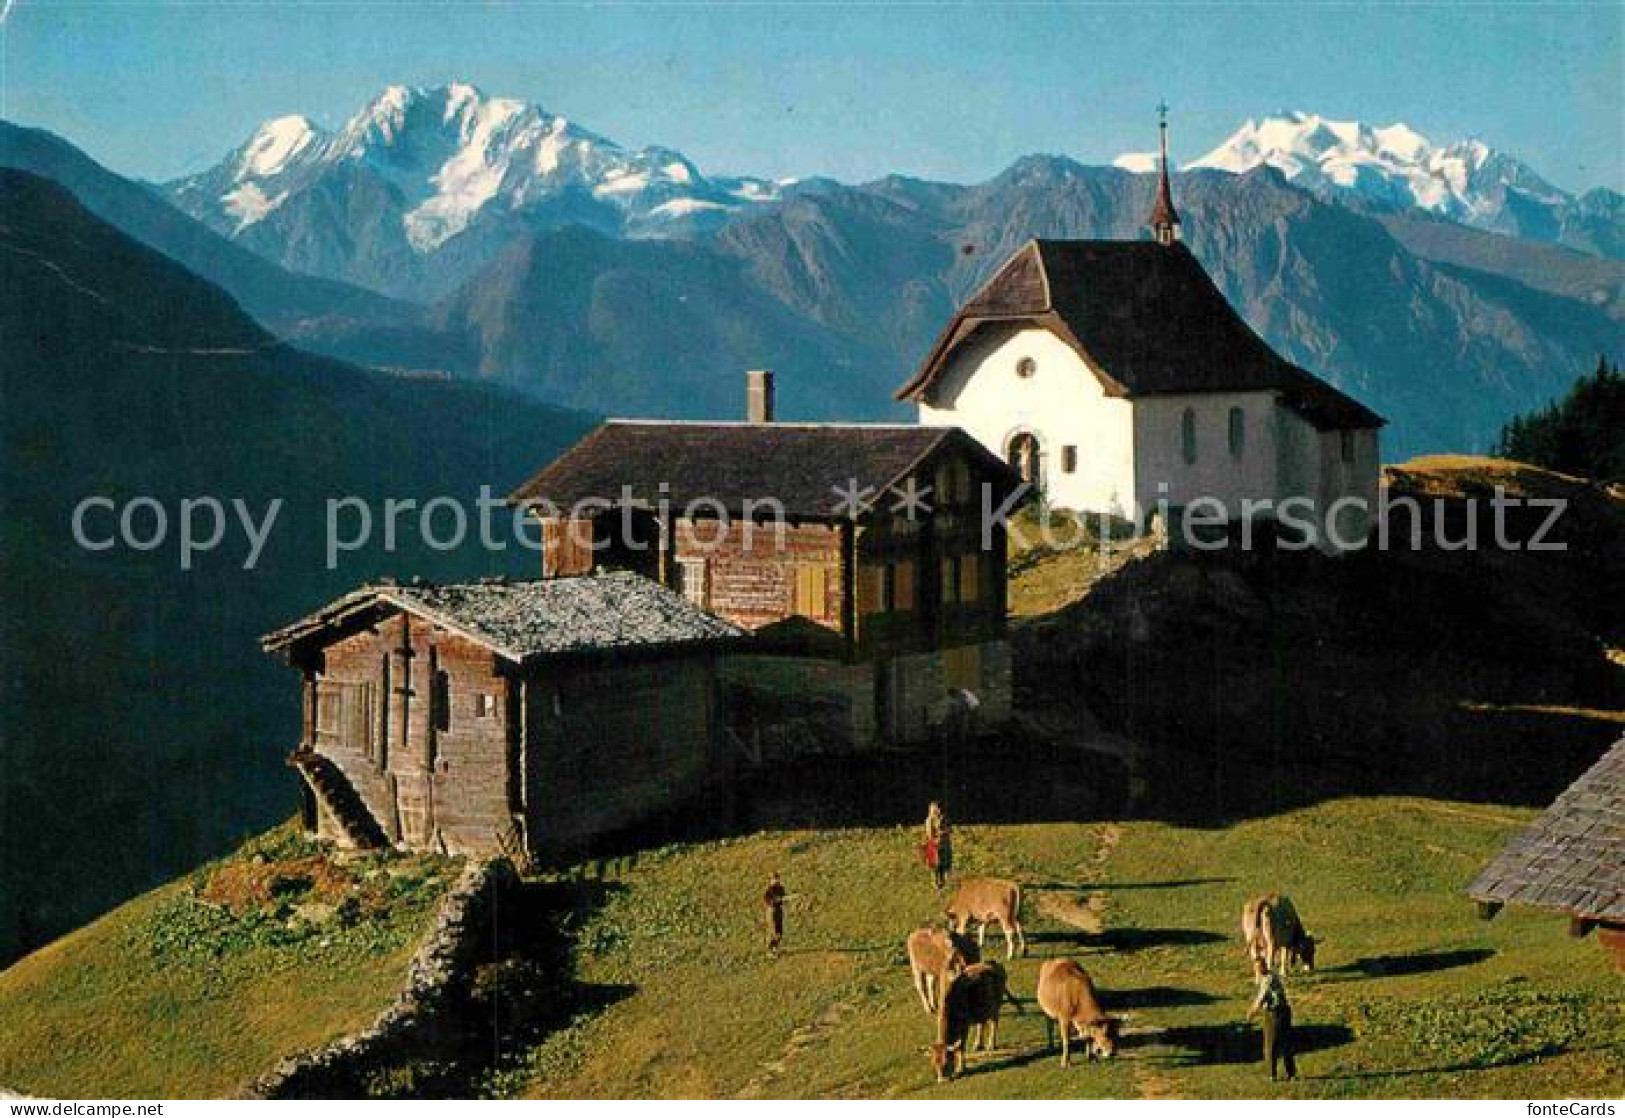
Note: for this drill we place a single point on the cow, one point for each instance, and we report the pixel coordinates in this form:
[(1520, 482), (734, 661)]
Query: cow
[(1067, 996), (986, 899), (970, 1000), (1273, 934), (935, 955)]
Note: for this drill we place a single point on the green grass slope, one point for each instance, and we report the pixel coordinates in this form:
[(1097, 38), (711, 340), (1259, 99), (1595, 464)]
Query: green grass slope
[(1415, 996), (195, 988)]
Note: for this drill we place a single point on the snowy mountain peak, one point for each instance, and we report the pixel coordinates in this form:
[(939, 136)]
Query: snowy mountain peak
[(454, 156), (1394, 164), (275, 143)]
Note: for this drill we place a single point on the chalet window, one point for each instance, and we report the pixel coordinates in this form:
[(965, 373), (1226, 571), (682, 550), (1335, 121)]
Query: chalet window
[(691, 577), (358, 724), (1187, 436), (1346, 445), (961, 578), (440, 701), (329, 709), (1238, 432), (1069, 459), (485, 705), (1026, 367)]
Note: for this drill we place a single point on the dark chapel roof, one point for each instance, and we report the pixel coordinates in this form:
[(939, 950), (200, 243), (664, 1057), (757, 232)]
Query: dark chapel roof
[(1147, 318)]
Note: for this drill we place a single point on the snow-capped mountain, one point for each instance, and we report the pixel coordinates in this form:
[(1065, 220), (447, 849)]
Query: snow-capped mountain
[(418, 168), (1395, 166)]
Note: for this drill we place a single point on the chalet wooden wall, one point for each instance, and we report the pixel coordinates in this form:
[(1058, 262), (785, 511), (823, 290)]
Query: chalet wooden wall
[(608, 746), (754, 575), (416, 717)]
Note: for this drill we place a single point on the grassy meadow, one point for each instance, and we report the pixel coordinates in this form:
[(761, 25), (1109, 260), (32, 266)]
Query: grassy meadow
[(1415, 995), (194, 989)]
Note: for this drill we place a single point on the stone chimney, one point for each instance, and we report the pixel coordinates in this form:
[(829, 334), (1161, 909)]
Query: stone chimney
[(759, 396)]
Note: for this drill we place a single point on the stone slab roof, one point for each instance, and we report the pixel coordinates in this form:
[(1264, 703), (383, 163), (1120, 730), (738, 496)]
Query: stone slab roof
[(1573, 857), (523, 620)]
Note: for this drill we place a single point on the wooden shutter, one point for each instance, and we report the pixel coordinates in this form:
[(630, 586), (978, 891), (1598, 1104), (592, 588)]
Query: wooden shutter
[(903, 585), (970, 585), (812, 582)]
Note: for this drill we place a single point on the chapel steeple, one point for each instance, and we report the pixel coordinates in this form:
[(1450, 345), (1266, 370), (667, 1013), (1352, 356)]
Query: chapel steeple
[(1164, 218)]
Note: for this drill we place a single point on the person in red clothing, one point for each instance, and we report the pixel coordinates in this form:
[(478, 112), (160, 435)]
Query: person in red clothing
[(937, 849)]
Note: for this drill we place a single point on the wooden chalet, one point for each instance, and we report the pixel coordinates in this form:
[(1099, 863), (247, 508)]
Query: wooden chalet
[(1571, 860), (863, 603), (518, 717)]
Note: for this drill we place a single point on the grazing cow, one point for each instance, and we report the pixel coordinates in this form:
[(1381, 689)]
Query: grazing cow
[(1273, 934), (986, 899), (1067, 996), (935, 955), (971, 1000)]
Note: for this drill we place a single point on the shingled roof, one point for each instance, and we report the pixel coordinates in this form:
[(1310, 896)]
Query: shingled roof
[(524, 620), (1573, 857), (1146, 318), (803, 466)]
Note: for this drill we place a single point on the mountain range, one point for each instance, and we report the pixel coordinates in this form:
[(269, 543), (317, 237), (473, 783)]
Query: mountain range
[(483, 238), (1397, 168), (421, 185)]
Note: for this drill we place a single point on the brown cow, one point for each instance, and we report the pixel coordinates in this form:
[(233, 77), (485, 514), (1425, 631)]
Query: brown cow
[(971, 1000), (1067, 996), (934, 955), (986, 899), (1273, 934)]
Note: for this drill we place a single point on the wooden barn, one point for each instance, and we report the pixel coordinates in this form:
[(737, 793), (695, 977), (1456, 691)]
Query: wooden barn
[(867, 606), (520, 717), (1571, 860)]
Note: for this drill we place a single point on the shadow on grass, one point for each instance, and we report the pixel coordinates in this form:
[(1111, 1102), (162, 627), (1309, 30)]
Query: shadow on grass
[(1543, 1052), (1006, 1059), (1155, 997), (1138, 939), (1420, 962), (1237, 1043), (1187, 883)]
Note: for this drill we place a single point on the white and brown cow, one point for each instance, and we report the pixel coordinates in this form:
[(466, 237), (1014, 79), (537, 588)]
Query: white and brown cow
[(1068, 997), (986, 900)]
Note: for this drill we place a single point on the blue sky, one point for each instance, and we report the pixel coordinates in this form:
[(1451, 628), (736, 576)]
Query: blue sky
[(855, 91)]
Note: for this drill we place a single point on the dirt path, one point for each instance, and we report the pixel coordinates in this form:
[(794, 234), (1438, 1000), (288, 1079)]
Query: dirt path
[(830, 1019), (1089, 915)]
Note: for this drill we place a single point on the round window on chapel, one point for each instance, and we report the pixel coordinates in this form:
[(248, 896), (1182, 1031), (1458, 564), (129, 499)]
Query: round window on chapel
[(1026, 367)]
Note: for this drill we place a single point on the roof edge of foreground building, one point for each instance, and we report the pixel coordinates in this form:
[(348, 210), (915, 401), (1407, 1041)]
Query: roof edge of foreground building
[(1571, 859), (526, 619)]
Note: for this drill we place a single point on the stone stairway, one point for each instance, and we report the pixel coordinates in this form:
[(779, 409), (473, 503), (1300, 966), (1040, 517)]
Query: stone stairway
[(339, 798)]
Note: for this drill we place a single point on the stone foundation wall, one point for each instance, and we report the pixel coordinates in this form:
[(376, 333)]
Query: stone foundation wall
[(437, 979)]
